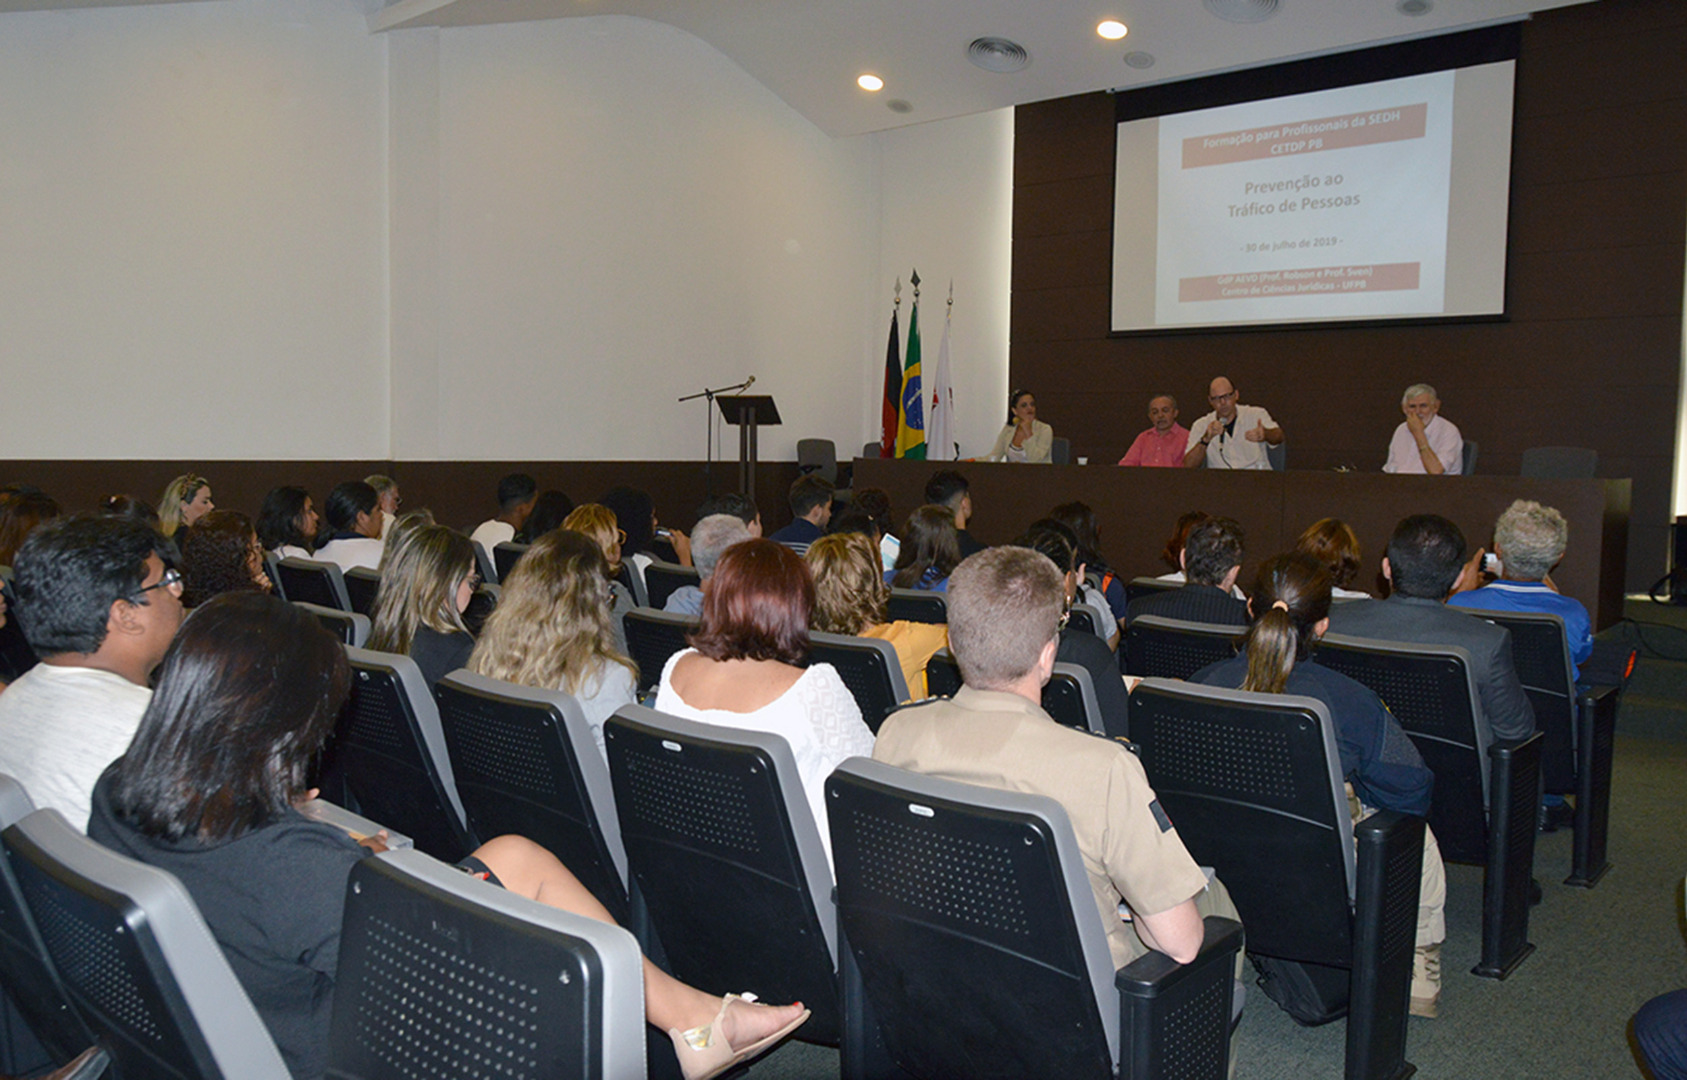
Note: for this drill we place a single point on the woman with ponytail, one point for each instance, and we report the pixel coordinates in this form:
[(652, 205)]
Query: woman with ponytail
[(1289, 606)]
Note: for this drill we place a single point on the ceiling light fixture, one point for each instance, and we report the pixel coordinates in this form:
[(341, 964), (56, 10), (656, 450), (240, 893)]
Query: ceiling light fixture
[(1414, 8), (897, 105), (998, 54), (1112, 29), (870, 82), (1241, 11), (1139, 60)]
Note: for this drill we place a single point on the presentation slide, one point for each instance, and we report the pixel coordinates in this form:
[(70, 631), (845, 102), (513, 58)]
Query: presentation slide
[(1380, 201)]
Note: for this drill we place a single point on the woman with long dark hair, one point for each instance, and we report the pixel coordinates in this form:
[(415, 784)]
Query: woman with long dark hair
[(1025, 438), (287, 522), (1290, 608), (209, 791), (221, 554), (930, 551)]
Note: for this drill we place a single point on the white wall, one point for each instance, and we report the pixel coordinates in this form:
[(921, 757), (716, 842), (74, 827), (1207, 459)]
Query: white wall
[(947, 211), (250, 229), (192, 232)]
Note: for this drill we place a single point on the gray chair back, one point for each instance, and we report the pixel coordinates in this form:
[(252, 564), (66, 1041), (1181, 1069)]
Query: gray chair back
[(652, 637), (350, 627), (137, 959), (818, 456), (314, 581), (1471, 449), (441, 974), (1060, 451), (505, 554), (868, 667), (362, 585), (917, 605), (1156, 647)]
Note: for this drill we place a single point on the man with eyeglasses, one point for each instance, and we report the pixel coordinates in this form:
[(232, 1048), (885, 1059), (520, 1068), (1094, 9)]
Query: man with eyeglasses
[(100, 607), (1232, 436)]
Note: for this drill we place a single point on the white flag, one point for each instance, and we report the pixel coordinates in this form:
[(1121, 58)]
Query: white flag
[(940, 417)]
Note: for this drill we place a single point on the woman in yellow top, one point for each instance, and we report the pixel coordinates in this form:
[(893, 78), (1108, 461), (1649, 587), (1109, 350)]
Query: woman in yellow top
[(849, 598), (1025, 438)]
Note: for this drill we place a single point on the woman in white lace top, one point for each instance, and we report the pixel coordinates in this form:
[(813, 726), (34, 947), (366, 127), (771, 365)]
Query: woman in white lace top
[(743, 668)]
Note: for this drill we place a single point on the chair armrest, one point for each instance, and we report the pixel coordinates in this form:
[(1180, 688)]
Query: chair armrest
[(1514, 785), (1385, 907), (1592, 695), (353, 825), (1154, 987)]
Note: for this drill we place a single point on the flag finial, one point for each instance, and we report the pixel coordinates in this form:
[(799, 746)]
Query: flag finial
[(915, 281), (951, 293), (898, 301)]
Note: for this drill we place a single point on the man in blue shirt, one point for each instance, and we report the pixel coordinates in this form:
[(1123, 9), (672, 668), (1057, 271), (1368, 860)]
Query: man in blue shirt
[(1529, 540)]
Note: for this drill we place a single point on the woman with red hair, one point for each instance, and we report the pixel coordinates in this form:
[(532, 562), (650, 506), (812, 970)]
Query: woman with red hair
[(744, 667)]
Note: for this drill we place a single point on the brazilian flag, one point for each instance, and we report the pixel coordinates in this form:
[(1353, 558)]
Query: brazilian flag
[(910, 432)]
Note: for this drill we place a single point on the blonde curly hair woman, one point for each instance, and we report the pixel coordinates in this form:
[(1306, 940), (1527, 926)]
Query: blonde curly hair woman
[(850, 596), (185, 501), (552, 629), (597, 523)]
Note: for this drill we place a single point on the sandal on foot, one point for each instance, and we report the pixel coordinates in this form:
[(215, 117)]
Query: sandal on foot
[(703, 1052)]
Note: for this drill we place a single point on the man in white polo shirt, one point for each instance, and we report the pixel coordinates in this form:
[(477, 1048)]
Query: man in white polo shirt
[(99, 606)]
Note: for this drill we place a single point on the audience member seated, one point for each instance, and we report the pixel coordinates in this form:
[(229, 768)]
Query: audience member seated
[(811, 512), (930, 551), (1055, 542), (208, 790), (354, 526), (1232, 436), (646, 539), (389, 498), (1082, 591), (709, 540), (737, 504), (287, 524), (1660, 1033), (517, 493), (131, 507), (744, 669), (1424, 562), (186, 499), (99, 607), (550, 510), (1004, 613), (1211, 557), (948, 488), (1078, 517), (402, 527), (849, 598), (1290, 607), (875, 503), (20, 516), (221, 554), (1024, 439), (419, 607), (551, 629), (1426, 441), (597, 524), (1172, 553), (1163, 444), (1529, 540), (1335, 545)]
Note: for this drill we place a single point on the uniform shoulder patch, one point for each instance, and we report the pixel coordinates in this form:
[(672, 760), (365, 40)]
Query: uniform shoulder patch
[(1160, 817)]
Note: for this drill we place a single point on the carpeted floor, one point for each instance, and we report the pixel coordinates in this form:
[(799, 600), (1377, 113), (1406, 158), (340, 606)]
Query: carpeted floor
[(1600, 953)]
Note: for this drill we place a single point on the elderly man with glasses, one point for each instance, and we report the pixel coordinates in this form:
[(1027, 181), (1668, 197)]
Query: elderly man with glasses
[(100, 608), (1232, 436)]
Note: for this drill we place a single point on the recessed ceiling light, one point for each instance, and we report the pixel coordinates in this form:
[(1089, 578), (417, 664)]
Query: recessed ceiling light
[(1112, 29), (897, 105), (870, 82)]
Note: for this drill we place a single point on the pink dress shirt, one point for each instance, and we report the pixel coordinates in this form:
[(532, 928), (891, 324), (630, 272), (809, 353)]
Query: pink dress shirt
[(1158, 451)]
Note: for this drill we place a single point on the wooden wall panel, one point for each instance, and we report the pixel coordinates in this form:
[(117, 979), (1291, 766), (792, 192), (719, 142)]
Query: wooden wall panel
[(1590, 354)]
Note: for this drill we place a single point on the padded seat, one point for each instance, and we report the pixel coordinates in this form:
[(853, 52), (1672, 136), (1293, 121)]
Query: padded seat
[(728, 859), (505, 554), (313, 581), (1254, 783), (362, 585), (652, 637), (1069, 696), (350, 627), (868, 667), (526, 762), (973, 947), (917, 605), (1161, 648), (661, 579), (1146, 586), (1483, 806)]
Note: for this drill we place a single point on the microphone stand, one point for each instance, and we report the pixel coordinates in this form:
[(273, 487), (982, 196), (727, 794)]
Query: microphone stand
[(708, 431)]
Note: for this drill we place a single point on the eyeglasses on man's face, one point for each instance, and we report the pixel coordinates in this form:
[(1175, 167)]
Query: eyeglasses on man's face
[(171, 579)]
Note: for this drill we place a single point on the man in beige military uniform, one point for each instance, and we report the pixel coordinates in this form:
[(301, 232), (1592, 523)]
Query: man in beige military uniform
[(1004, 615)]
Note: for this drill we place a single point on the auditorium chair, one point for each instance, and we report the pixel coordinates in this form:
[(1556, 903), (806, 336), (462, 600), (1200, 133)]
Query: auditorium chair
[(1471, 449), (1068, 697), (314, 582), (868, 667), (272, 570), (917, 605), (505, 554), (820, 456), (362, 584), (1486, 790), (444, 975), (43, 1028), (662, 578), (1156, 647), (727, 857), (970, 945), (1092, 620), (348, 626), (484, 565), (1060, 451), (138, 962), (526, 762), (1578, 729), (1138, 587), (387, 757), (652, 637), (634, 583), (1254, 783), (1278, 455), (481, 606)]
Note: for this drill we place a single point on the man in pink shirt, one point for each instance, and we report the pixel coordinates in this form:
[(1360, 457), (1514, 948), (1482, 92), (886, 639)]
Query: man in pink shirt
[(1162, 445)]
